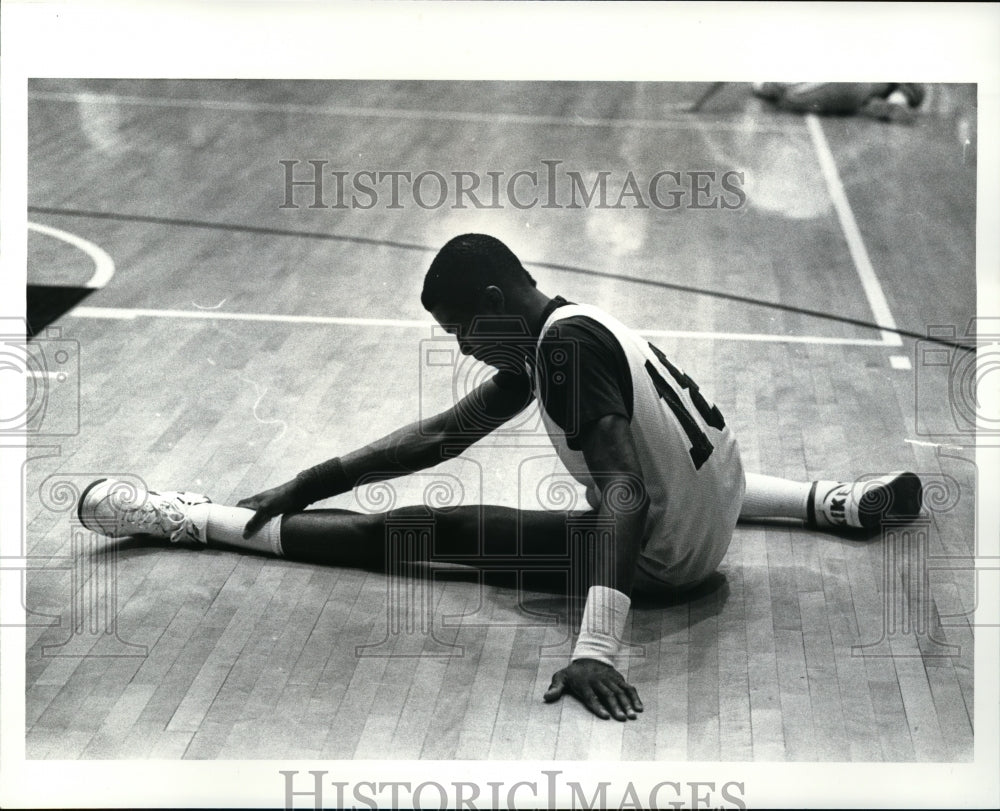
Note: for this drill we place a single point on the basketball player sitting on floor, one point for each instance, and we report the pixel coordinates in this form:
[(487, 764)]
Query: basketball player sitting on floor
[(659, 464)]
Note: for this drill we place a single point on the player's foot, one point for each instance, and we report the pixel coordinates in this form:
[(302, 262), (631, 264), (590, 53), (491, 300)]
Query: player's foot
[(914, 93), (899, 105), (889, 110), (772, 91), (865, 504), (118, 509)]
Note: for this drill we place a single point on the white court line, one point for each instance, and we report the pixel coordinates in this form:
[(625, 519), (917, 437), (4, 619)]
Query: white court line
[(682, 119), (104, 266), (923, 444), (760, 337), (869, 281), (128, 314)]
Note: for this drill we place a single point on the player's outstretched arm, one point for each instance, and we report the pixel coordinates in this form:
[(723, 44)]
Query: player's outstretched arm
[(591, 677), (411, 448)]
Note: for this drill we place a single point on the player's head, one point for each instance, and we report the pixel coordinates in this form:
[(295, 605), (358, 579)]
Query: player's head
[(466, 267), (474, 288)]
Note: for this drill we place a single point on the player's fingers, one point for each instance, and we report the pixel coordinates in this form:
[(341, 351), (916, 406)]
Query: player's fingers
[(610, 701), (556, 689), (624, 700), (633, 695), (593, 703), (260, 518), (248, 503)]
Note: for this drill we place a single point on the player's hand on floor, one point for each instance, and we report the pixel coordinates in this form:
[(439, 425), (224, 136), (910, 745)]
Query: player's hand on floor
[(599, 687), (279, 500)]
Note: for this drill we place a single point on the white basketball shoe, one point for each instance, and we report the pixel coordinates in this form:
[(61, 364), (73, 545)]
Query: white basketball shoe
[(865, 504), (118, 509)]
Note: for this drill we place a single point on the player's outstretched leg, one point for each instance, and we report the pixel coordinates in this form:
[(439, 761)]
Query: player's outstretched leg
[(119, 509), (861, 505), (335, 537)]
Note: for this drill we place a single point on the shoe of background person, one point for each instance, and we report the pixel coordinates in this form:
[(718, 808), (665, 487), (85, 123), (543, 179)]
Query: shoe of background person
[(914, 93), (899, 105)]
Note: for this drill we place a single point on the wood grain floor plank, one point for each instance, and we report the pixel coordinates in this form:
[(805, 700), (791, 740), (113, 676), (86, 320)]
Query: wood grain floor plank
[(671, 696), (735, 727), (821, 675), (477, 725)]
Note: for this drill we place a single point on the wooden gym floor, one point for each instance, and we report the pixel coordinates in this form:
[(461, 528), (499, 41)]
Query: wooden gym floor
[(814, 648)]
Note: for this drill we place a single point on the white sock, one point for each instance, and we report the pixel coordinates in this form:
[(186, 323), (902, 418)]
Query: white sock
[(773, 497), (225, 525)]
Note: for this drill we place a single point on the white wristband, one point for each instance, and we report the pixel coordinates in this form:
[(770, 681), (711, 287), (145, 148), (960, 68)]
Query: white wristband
[(602, 629)]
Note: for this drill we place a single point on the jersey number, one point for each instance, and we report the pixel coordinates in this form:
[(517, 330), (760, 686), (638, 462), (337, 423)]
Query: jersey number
[(701, 447)]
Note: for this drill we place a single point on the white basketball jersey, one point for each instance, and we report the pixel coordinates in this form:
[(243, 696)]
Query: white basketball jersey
[(690, 460)]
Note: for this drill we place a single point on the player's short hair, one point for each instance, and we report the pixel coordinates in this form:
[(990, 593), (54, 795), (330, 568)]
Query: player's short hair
[(466, 266)]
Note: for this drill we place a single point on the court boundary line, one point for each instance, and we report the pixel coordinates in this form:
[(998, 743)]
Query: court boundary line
[(104, 265), (849, 227), (683, 121), (409, 246), (130, 314)]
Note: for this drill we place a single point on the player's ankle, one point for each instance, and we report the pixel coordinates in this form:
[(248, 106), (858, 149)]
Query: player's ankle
[(865, 504)]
